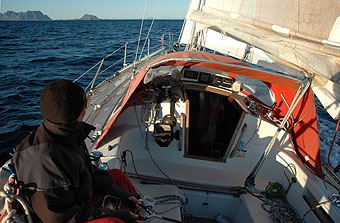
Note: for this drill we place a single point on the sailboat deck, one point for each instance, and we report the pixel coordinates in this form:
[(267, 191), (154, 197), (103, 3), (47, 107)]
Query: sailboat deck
[(205, 175)]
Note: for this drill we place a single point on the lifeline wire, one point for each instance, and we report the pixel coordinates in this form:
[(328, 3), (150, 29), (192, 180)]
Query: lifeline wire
[(147, 36), (141, 28), (97, 64)]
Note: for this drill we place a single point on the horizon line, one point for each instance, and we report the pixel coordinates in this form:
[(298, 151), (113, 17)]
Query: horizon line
[(148, 18)]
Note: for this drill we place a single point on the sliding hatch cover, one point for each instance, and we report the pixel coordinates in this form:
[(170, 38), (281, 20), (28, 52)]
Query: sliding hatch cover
[(213, 121)]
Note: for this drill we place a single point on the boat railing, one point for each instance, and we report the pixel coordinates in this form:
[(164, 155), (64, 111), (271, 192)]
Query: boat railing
[(129, 56)]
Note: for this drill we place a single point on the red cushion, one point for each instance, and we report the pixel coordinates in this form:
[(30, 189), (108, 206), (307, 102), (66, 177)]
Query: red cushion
[(107, 220)]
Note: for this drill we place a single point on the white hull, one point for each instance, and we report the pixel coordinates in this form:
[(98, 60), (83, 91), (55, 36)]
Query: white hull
[(212, 186)]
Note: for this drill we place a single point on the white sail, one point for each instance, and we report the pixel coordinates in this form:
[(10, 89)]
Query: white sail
[(304, 35)]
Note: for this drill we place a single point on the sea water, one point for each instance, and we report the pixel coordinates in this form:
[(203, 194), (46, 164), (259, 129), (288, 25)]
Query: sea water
[(34, 53)]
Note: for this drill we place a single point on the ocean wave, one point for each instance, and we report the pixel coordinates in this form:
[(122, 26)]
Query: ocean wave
[(2, 66), (7, 37), (9, 140), (41, 52), (5, 46), (47, 59), (88, 61), (9, 99)]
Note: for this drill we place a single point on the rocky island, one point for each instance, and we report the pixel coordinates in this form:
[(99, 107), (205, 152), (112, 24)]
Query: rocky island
[(89, 17), (36, 16), (24, 16)]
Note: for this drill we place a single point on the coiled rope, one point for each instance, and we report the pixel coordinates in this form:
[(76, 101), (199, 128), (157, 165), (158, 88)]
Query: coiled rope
[(170, 199), (280, 210), (12, 215), (10, 194)]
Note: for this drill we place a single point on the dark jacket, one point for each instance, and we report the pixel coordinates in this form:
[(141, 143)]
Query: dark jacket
[(58, 178)]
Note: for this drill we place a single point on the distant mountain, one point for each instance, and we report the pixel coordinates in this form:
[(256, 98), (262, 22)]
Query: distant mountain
[(24, 16), (89, 17)]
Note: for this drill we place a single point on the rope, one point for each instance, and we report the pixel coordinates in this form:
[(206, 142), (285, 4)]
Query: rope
[(254, 133), (141, 28), (12, 215), (310, 108), (146, 138), (153, 161), (313, 208), (147, 144), (170, 199), (205, 50), (293, 169), (133, 162), (330, 149), (170, 209), (147, 36), (280, 210)]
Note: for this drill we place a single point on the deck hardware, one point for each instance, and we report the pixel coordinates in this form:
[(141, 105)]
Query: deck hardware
[(103, 166), (305, 85), (125, 64), (335, 198), (182, 132), (110, 147), (166, 90), (91, 139), (96, 107), (96, 134), (95, 77), (11, 212), (252, 106), (148, 46), (95, 157), (236, 86)]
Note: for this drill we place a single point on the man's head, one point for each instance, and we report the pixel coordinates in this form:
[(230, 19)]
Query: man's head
[(62, 101)]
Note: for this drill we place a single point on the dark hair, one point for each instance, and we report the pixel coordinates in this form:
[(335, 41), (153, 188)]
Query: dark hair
[(62, 101)]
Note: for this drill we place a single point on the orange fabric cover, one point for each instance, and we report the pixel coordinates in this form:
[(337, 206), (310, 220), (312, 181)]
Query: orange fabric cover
[(305, 133)]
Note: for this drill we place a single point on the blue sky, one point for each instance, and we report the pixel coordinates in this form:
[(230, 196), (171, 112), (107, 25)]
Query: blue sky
[(104, 9)]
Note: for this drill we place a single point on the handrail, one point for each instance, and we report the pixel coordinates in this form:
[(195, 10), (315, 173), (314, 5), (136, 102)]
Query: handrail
[(147, 36), (305, 85), (95, 77), (100, 63)]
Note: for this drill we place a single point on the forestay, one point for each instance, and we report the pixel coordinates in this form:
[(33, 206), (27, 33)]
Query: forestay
[(303, 35)]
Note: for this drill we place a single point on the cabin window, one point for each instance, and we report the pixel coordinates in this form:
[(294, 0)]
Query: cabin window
[(213, 122)]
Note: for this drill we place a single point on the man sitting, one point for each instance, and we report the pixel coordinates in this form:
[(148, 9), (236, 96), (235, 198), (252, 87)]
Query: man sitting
[(54, 168)]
